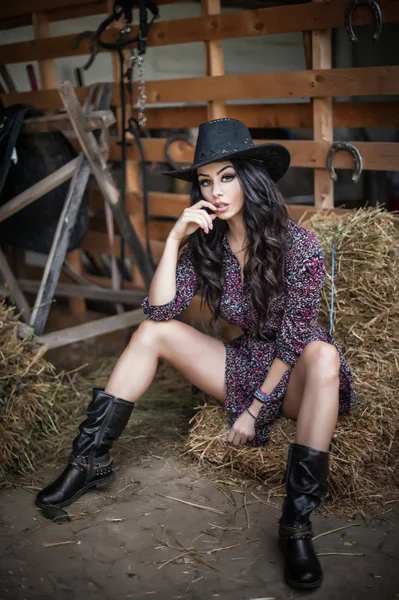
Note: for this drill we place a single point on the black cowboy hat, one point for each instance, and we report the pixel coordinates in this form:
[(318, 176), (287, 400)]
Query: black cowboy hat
[(223, 139)]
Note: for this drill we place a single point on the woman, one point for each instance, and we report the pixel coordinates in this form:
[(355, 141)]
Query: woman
[(262, 272)]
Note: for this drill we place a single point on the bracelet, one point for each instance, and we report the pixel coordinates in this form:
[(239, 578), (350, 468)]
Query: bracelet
[(262, 396), (253, 416)]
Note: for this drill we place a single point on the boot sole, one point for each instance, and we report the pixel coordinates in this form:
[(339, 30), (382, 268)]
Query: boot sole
[(97, 484), (303, 586)]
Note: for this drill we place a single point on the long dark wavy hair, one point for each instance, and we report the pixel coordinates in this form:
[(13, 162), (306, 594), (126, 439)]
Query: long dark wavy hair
[(266, 223)]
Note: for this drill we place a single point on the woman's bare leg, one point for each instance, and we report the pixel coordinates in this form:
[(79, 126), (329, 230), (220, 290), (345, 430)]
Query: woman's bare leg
[(197, 356), (312, 396)]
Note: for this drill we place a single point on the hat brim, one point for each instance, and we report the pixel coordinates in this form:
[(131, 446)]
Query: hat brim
[(275, 157)]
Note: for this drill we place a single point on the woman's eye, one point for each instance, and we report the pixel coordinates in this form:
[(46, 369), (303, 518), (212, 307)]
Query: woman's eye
[(228, 178), (204, 182)]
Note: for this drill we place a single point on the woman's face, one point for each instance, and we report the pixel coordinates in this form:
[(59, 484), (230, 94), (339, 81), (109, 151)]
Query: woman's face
[(219, 184)]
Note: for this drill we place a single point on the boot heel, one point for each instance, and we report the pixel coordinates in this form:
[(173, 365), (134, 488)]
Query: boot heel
[(106, 482)]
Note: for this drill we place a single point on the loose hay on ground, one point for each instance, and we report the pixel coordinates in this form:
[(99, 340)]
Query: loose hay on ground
[(365, 449)]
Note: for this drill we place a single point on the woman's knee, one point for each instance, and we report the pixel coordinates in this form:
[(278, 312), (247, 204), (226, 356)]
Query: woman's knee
[(150, 332), (321, 360)]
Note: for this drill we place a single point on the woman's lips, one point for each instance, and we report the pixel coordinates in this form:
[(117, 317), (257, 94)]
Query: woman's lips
[(222, 208)]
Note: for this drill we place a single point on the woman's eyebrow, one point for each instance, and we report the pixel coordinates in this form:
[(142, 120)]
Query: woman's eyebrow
[(222, 169)]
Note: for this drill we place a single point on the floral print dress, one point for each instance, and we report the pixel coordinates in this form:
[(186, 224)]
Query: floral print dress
[(291, 325)]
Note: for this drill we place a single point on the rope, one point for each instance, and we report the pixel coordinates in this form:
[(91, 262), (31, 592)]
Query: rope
[(332, 287)]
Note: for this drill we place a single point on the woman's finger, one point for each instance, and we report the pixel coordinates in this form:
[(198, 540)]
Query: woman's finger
[(199, 219), (205, 203)]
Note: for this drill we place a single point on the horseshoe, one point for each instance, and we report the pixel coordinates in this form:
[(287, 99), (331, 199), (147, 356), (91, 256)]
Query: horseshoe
[(357, 157), (374, 7), (176, 137)]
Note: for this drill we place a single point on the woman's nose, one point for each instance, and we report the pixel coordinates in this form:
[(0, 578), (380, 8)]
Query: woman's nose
[(217, 190)]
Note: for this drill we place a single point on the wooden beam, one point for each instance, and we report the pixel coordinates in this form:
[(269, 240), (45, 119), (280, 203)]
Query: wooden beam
[(214, 59), (92, 329), (308, 84), (38, 190), (322, 116), (14, 288), (95, 120), (66, 9), (379, 156), (292, 115), (41, 30), (66, 290), (363, 81), (59, 247), (243, 23)]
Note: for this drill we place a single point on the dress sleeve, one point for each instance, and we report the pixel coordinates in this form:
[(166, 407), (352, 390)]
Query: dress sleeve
[(305, 275), (186, 288)]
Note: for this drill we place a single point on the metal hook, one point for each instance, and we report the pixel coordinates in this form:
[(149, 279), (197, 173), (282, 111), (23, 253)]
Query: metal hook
[(357, 157), (374, 7), (176, 137), (91, 35)]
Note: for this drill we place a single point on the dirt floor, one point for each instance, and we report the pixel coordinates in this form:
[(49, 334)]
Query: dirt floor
[(131, 541)]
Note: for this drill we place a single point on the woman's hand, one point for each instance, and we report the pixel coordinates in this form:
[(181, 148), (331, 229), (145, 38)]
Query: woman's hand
[(193, 218), (243, 429)]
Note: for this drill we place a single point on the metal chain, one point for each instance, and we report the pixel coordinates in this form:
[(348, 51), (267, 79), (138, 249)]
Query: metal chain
[(141, 101)]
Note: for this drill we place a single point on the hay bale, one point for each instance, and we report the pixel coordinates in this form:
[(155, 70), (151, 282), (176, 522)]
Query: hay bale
[(38, 407), (365, 448)]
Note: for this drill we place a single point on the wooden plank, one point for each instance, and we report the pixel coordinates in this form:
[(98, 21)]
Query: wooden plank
[(38, 189), (14, 288), (66, 290), (56, 11), (96, 242), (160, 204), (95, 328), (214, 59), (322, 116), (360, 81), (244, 23), (345, 114), (105, 180), (379, 156), (308, 84), (41, 29), (59, 246), (95, 120)]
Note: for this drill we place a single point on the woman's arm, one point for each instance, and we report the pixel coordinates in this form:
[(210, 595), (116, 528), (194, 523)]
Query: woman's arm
[(163, 284)]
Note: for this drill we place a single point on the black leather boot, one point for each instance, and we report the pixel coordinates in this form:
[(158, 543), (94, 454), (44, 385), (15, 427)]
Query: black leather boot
[(90, 464), (306, 483)]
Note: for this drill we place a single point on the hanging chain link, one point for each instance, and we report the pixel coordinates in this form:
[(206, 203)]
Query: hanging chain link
[(141, 101)]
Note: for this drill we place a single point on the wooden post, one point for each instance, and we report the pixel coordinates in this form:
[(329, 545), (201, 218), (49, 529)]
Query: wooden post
[(56, 257), (48, 79), (322, 117), (214, 59)]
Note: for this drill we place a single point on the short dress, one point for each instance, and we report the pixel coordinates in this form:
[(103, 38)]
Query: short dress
[(291, 325)]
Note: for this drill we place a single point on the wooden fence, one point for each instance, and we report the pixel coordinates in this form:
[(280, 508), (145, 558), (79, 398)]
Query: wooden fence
[(320, 82)]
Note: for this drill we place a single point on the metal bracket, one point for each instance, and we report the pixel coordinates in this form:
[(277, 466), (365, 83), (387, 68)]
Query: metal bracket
[(357, 157), (374, 7), (176, 137)]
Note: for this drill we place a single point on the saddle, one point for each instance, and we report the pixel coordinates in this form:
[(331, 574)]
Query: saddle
[(26, 159)]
